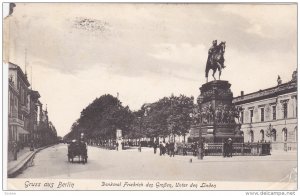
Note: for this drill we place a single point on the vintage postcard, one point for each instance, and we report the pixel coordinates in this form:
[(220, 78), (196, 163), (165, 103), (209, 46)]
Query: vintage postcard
[(150, 96)]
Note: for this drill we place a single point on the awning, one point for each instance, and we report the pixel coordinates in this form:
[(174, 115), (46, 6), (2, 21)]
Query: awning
[(20, 130)]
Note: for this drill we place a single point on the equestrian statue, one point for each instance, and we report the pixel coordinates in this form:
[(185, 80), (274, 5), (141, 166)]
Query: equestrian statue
[(215, 59)]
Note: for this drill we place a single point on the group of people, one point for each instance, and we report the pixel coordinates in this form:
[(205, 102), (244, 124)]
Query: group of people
[(168, 148), (197, 148), (121, 147)]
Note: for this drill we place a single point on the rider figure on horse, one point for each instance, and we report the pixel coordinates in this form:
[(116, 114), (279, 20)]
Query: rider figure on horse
[(212, 50)]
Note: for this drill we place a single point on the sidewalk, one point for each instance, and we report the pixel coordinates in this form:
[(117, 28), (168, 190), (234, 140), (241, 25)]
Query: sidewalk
[(24, 155), (21, 152)]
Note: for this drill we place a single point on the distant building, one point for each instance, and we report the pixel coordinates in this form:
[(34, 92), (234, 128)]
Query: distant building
[(33, 120), (270, 115), (28, 123)]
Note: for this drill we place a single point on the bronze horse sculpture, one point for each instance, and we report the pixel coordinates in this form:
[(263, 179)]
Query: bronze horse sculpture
[(216, 61)]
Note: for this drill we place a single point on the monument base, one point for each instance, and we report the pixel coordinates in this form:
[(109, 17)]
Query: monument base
[(211, 135), (217, 113)]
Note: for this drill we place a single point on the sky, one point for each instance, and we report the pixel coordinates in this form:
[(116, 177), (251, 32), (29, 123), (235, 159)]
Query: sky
[(78, 52)]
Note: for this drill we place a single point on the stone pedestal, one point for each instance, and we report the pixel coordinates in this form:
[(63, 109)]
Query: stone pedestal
[(217, 113)]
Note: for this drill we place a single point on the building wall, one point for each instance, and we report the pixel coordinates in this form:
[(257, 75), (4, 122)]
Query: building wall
[(282, 131)]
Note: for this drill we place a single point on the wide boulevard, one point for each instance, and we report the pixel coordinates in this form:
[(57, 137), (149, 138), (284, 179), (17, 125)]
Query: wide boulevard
[(133, 165)]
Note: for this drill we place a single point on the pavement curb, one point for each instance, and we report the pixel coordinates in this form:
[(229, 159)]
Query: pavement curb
[(13, 172)]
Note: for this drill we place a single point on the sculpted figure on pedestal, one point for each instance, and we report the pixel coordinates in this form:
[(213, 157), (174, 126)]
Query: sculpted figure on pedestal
[(215, 60)]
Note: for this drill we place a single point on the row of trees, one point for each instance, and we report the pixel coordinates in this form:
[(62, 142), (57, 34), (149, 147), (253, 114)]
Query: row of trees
[(100, 119)]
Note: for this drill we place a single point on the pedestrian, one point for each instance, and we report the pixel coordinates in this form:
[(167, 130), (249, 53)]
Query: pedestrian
[(31, 145), (155, 147), (184, 149), (225, 148), (205, 148), (201, 149), (163, 148), (171, 149), (194, 149), (167, 148), (117, 146), (175, 148), (15, 150), (140, 147), (160, 149), (229, 148)]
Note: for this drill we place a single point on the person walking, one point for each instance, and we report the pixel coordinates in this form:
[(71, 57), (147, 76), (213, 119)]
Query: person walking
[(140, 147), (171, 149), (205, 148), (160, 148), (184, 149), (229, 148), (194, 149), (225, 148), (117, 146), (168, 148), (155, 147), (164, 148), (175, 148), (200, 149)]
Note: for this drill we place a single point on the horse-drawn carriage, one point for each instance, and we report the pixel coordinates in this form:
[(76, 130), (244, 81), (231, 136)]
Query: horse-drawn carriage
[(77, 149)]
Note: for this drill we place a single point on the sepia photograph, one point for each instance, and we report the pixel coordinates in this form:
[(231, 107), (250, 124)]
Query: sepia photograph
[(150, 96)]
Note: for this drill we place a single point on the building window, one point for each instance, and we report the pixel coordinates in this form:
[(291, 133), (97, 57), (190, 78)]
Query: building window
[(251, 116), (251, 136), (262, 132), (242, 117), (285, 110), (273, 135), (284, 134), (262, 114), (274, 112)]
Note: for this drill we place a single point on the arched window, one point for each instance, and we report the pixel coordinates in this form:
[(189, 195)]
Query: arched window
[(284, 134), (262, 133), (273, 135), (251, 136)]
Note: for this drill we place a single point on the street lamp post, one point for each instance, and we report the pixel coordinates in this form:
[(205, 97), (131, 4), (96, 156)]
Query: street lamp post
[(172, 113), (139, 143), (201, 145)]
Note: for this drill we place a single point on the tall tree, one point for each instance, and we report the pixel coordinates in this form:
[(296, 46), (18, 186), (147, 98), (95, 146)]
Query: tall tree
[(101, 118)]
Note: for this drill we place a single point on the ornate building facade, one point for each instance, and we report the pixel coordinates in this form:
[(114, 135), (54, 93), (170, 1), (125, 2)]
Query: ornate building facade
[(28, 123), (18, 105), (270, 115)]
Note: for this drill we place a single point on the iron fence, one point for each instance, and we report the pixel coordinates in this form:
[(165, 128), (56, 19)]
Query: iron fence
[(217, 149)]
